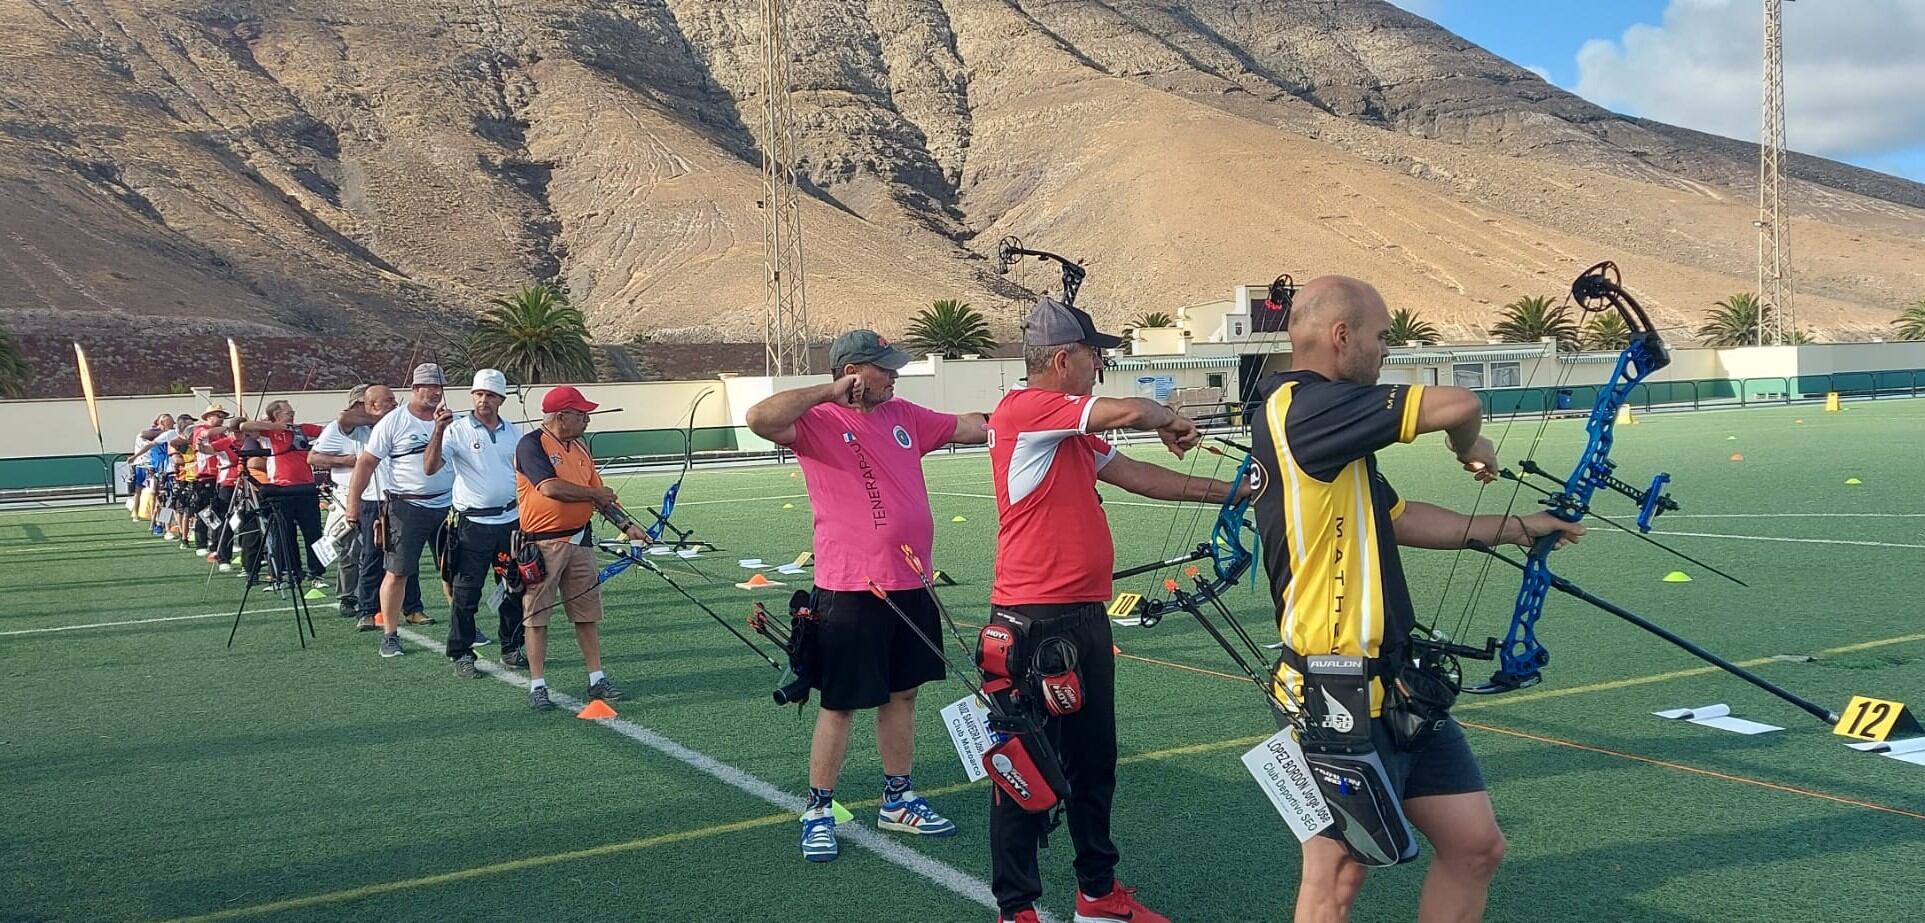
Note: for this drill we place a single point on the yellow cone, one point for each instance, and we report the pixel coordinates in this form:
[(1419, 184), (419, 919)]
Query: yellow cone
[(1831, 402), (1677, 576), (841, 813), (788, 506), (958, 519), (1853, 482)]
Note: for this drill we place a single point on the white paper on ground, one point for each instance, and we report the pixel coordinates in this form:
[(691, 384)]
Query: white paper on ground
[(788, 569), (1284, 775), (686, 553), (660, 549), (1130, 622), (1719, 717), (1910, 750), (752, 563), (968, 724)]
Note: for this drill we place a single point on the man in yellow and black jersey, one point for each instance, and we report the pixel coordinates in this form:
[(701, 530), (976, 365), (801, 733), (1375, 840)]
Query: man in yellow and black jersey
[(1331, 524)]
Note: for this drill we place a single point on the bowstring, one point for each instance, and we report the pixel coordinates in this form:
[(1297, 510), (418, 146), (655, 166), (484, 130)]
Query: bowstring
[(1474, 598)]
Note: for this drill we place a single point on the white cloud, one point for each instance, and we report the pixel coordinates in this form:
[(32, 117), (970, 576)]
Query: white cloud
[(1853, 72)]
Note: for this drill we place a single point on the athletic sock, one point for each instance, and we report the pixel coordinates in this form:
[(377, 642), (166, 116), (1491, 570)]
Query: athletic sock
[(596, 677), (820, 797), (894, 787), (537, 683)]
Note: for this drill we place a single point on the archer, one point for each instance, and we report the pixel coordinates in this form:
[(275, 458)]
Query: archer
[(1330, 534), (861, 448)]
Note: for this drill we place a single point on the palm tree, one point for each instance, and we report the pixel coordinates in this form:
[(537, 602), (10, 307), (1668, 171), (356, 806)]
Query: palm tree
[(1911, 321), (1534, 317), (1797, 336), (534, 336), (15, 373), (950, 328), (1407, 327), (1735, 322), (1606, 331), (1153, 319)]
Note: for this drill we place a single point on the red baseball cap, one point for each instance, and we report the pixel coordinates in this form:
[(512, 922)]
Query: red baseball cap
[(566, 397)]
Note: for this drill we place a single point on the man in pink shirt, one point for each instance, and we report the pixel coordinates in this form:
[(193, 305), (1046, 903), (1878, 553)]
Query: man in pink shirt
[(861, 452)]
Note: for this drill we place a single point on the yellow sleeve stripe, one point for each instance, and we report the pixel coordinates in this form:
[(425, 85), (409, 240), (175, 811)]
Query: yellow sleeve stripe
[(1407, 431), (1397, 510)]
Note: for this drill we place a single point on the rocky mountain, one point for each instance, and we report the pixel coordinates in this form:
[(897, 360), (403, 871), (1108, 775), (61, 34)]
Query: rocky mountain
[(339, 168)]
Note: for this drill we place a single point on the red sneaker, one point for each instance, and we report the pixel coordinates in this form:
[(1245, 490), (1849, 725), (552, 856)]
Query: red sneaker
[(1022, 916), (1118, 906)]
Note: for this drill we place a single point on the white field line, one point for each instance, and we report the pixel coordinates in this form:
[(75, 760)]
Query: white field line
[(941, 873), (171, 618)]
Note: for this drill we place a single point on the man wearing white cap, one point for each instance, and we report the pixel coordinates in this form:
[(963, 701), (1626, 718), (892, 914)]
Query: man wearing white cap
[(417, 501), (480, 446)]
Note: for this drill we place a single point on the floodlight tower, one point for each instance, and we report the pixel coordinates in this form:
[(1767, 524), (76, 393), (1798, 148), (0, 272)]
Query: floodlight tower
[(1774, 231), (785, 319)]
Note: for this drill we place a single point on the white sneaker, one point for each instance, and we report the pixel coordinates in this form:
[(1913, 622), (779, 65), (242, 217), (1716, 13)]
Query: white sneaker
[(227, 568)]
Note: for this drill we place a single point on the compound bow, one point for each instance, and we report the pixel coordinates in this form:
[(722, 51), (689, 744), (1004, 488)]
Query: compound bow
[(1522, 657)]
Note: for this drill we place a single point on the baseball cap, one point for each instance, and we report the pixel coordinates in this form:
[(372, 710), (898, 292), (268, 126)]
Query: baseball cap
[(491, 381), (865, 346), (428, 373), (357, 395), (1053, 323), (566, 397)]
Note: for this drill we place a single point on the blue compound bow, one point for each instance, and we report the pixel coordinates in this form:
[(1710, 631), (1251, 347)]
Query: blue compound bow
[(1229, 556), (1522, 657)]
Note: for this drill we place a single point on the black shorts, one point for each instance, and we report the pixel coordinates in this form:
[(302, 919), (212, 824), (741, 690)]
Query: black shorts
[(868, 653), (410, 527)]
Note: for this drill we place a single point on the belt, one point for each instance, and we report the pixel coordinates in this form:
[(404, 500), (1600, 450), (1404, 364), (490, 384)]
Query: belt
[(417, 496), (546, 536), (487, 510)]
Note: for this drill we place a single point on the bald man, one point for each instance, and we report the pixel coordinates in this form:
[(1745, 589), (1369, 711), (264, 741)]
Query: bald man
[(1331, 525)]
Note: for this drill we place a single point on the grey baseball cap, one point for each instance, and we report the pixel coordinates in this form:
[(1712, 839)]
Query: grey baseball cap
[(428, 373), (357, 395), (865, 346), (1053, 323)]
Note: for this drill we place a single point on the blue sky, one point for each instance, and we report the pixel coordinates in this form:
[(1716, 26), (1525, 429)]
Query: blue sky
[(1852, 67)]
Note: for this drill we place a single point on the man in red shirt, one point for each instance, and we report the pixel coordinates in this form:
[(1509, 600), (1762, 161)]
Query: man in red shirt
[(1053, 562)]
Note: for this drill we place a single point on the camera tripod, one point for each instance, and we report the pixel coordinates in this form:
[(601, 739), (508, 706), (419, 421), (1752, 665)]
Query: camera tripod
[(276, 532)]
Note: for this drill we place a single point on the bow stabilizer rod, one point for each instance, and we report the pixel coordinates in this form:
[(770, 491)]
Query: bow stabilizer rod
[(1567, 587)]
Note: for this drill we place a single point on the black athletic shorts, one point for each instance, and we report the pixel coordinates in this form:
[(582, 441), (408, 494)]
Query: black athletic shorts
[(868, 653)]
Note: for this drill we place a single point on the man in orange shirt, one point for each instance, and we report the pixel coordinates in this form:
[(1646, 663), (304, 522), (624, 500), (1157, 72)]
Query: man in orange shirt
[(558, 491)]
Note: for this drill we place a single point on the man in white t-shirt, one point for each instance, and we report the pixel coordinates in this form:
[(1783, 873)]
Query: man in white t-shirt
[(480, 447), (336, 449), (415, 501)]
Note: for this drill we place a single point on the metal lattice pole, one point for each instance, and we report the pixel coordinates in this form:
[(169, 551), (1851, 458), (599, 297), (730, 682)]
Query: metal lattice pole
[(785, 310), (1774, 233)]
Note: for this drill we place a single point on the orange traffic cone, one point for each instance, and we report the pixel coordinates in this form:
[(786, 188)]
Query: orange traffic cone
[(757, 582), (1737, 456), (596, 709)]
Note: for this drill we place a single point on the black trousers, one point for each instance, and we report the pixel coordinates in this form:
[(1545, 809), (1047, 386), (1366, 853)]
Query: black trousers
[(1086, 744), (482, 549), (296, 507), (222, 503)]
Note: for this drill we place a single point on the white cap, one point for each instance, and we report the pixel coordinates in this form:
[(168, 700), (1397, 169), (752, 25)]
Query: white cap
[(491, 381)]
